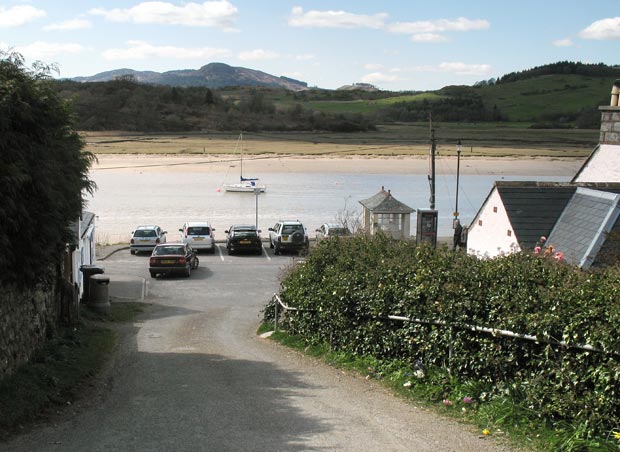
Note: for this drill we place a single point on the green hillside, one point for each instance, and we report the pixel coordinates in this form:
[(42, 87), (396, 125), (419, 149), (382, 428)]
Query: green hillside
[(547, 96)]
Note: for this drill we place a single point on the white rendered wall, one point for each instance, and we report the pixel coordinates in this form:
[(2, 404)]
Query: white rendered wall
[(604, 166), (495, 236)]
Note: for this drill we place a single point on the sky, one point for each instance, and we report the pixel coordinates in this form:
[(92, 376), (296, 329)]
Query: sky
[(397, 45)]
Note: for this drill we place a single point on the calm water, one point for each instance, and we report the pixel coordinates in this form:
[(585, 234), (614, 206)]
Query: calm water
[(125, 200)]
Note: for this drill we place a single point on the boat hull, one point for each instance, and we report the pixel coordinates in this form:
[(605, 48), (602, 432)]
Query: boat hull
[(244, 188)]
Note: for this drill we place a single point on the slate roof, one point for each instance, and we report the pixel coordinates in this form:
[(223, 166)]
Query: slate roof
[(533, 207), (384, 202), (582, 229)]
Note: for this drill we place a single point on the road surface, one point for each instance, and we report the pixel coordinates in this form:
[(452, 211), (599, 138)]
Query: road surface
[(191, 375)]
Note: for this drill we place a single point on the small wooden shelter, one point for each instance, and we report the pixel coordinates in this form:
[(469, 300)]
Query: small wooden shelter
[(383, 212)]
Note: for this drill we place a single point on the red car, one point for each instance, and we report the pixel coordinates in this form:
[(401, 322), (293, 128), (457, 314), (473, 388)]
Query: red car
[(171, 258)]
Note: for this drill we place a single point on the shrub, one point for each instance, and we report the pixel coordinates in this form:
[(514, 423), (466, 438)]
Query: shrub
[(354, 284)]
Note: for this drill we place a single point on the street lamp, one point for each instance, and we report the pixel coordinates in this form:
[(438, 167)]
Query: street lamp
[(459, 148), (256, 193)]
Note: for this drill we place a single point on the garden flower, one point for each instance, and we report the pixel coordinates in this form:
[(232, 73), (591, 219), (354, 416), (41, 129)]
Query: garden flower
[(407, 384), (486, 431), (537, 250), (616, 435), (467, 400), (419, 373), (447, 402)]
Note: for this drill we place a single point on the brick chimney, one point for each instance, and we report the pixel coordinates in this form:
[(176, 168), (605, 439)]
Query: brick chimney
[(610, 118)]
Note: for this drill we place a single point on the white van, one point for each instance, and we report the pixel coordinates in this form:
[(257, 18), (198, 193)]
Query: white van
[(199, 235)]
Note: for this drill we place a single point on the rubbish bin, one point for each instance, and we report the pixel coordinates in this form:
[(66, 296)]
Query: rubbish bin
[(99, 298), (88, 271)]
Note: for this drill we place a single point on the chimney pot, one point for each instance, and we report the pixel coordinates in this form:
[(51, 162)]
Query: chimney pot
[(615, 90)]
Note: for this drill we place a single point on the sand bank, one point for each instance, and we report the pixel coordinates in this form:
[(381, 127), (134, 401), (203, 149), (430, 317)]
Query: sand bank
[(257, 165)]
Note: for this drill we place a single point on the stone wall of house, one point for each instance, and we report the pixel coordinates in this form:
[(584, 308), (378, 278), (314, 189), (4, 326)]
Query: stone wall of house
[(27, 319), (610, 125)]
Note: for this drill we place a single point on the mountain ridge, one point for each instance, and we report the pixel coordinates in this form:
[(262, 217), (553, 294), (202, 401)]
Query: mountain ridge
[(212, 75)]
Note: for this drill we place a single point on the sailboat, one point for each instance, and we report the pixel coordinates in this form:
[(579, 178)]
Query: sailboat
[(246, 184)]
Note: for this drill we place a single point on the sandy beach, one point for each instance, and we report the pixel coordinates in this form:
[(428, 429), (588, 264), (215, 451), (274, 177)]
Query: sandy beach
[(256, 165)]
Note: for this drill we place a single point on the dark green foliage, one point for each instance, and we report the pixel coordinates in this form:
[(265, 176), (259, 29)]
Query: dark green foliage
[(562, 67), (355, 284), (459, 104), (123, 104), (43, 172)]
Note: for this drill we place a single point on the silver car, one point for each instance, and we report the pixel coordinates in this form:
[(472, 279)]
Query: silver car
[(146, 238)]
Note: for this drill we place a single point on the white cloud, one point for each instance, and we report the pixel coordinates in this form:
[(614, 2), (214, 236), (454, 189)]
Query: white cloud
[(566, 42), (17, 16), (465, 69), (602, 29), (44, 50), (439, 25), (373, 66), (305, 57), (140, 50), (257, 54), (335, 19), (379, 77), (73, 24), (218, 13), (428, 37)]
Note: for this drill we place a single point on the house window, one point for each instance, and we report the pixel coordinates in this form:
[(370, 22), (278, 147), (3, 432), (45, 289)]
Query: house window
[(509, 232), (479, 222), (494, 209)]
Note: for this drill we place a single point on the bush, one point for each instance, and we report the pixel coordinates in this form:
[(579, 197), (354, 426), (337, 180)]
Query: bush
[(355, 284)]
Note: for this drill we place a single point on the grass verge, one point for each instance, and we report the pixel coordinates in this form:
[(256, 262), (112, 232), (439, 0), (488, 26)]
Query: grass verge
[(498, 416), (58, 373)]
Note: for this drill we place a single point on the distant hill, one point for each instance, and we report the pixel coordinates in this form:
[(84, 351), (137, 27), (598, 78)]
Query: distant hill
[(212, 75)]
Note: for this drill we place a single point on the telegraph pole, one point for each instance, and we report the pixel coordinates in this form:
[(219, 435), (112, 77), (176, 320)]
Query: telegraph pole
[(432, 176)]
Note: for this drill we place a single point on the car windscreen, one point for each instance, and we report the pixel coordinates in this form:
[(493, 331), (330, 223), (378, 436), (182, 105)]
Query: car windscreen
[(145, 233), (169, 250), (292, 228), (244, 232), (339, 231), (198, 230)]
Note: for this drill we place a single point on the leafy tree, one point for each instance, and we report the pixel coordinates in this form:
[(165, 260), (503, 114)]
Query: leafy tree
[(43, 172)]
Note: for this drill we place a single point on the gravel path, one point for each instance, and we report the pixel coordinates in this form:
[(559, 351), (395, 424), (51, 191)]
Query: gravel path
[(192, 375)]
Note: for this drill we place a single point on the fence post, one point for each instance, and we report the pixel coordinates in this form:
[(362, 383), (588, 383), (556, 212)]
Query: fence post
[(450, 349), (275, 327)]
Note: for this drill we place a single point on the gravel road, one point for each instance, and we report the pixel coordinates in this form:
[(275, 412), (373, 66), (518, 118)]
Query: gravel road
[(191, 375)]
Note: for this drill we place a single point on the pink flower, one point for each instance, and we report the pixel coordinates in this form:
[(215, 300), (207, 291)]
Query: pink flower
[(559, 256), (537, 250), (467, 400), (447, 402)]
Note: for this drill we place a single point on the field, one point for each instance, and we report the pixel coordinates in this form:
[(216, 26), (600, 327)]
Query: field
[(484, 140)]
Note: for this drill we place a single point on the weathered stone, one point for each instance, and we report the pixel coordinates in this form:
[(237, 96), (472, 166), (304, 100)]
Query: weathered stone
[(26, 316)]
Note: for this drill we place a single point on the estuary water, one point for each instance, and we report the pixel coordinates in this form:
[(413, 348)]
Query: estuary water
[(128, 198)]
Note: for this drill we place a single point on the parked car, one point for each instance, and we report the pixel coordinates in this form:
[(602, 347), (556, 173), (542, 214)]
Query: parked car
[(288, 235), (243, 237), (173, 258), (328, 230), (199, 235), (146, 238)]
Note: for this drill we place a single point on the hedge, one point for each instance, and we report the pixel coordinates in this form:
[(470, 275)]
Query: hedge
[(354, 284)]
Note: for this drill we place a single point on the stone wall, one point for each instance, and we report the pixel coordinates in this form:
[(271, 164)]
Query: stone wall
[(27, 319), (610, 125)]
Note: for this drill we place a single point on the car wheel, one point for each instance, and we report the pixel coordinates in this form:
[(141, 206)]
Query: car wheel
[(229, 251), (153, 275), (196, 263), (188, 271), (132, 251), (259, 252), (270, 244), (276, 250)]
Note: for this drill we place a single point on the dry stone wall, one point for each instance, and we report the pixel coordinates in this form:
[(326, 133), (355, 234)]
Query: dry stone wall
[(27, 318)]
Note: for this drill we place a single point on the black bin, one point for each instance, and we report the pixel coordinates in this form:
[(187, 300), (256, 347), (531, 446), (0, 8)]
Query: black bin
[(88, 271)]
